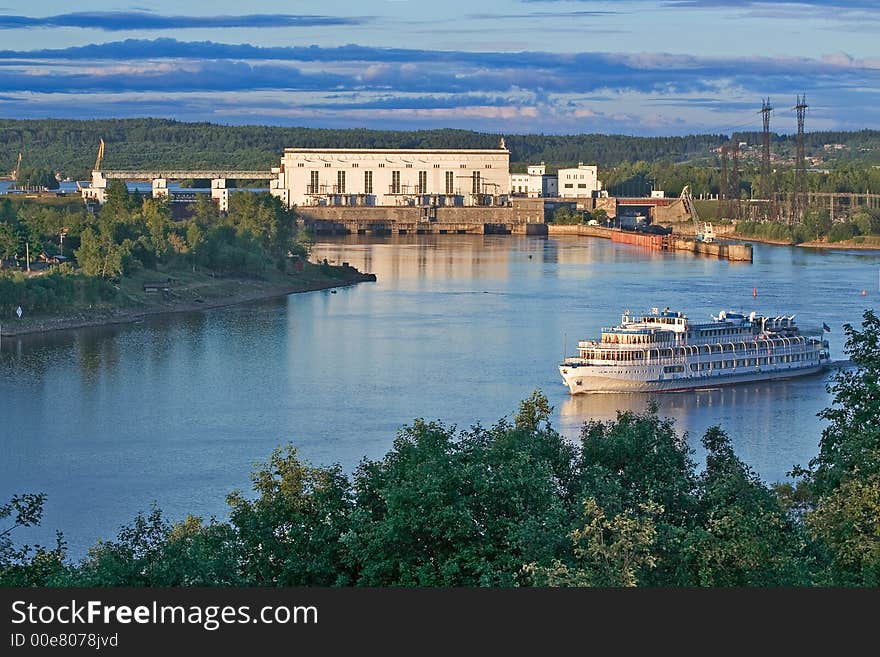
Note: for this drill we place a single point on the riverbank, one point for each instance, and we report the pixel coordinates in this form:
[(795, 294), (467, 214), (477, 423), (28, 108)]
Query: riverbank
[(194, 294), (845, 245)]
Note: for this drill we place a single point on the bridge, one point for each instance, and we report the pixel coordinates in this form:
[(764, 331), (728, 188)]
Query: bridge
[(178, 174), (97, 190)]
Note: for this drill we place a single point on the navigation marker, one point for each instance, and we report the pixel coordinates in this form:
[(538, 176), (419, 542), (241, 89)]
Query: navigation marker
[(18, 312)]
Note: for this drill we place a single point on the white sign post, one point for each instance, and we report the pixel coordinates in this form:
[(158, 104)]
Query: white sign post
[(18, 312)]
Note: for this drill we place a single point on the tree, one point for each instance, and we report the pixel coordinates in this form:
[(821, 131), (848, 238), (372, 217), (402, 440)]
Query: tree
[(99, 255), (850, 443), (37, 177), (8, 241), (292, 533), (607, 551), (470, 508), (843, 480), (817, 222), (745, 538), (26, 565)]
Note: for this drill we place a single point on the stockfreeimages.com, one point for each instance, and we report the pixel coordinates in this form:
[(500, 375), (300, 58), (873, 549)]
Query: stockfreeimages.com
[(210, 617)]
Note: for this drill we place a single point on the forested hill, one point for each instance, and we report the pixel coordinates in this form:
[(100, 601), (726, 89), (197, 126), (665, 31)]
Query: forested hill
[(70, 146)]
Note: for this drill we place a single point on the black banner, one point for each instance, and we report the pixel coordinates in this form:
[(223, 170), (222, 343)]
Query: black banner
[(236, 621)]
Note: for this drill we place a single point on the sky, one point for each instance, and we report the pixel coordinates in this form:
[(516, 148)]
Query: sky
[(638, 67)]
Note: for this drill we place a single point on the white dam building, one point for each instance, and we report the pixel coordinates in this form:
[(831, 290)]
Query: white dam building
[(392, 177)]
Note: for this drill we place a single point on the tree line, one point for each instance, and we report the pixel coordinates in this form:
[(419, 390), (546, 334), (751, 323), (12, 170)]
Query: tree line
[(516, 504), (130, 233), (70, 146)]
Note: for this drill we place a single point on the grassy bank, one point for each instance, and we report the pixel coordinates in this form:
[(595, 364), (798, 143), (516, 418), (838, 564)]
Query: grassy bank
[(189, 291)]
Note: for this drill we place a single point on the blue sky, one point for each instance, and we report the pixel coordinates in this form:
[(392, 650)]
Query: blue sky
[(550, 66)]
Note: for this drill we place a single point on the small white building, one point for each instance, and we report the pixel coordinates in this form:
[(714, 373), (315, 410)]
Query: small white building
[(536, 183), (393, 177), (580, 182)]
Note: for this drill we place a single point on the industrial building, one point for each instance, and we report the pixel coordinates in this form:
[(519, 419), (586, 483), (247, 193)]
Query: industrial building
[(580, 182), (537, 183), (393, 177)]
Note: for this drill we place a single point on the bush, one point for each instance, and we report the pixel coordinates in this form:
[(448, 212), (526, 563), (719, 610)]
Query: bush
[(841, 232)]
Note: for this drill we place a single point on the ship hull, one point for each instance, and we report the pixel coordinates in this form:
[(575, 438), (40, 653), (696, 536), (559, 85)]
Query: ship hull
[(581, 381)]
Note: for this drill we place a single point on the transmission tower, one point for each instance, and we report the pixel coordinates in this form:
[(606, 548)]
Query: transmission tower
[(800, 173), (766, 186), (734, 193)]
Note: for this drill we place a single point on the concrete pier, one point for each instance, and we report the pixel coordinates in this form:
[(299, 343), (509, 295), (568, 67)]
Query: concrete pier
[(735, 252), (728, 251)]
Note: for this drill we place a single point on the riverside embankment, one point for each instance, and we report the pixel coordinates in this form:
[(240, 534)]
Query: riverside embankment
[(724, 250)]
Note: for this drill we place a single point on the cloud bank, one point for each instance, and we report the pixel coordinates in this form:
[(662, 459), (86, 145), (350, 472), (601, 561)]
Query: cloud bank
[(118, 21)]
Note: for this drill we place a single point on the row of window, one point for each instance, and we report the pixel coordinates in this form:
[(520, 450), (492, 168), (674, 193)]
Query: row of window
[(711, 332), (668, 353), (381, 165), (422, 188)]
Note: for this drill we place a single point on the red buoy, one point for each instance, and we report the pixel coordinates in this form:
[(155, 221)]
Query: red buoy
[(754, 291)]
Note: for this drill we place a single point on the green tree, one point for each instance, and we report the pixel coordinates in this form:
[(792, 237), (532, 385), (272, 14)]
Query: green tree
[(817, 222), (37, 177), (746, 538), (27, 565), (607, 551), (99, 255), (8, 241), (291, 534), (843, 480)]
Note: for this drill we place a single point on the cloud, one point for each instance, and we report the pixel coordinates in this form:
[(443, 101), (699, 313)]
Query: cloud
[(117, 21), (386, 87)]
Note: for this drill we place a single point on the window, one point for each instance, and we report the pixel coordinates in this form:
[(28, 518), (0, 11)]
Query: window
[(354, 165), (395, 182), (450, 183), (475, 182), (368, 182), (381, 165), (300, 164), (436, 166), (327, 164), (462, 166), (488, 166), (423, 182), (340, 182), (567, 185), (313, 182), (582, 186)]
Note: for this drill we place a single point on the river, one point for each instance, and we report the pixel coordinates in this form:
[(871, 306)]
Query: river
[(176, 410)]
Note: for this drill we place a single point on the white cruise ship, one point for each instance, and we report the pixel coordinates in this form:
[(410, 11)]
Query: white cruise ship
[(663, 351)]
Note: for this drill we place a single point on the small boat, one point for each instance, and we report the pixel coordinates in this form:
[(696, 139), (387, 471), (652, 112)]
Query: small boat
[(663, 351)]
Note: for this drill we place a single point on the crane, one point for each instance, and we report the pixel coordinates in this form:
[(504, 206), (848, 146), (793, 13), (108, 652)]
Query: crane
[(704, 233), (100, 156), (14, 174)]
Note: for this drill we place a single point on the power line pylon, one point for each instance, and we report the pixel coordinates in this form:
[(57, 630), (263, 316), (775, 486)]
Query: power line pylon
[(799, 204), (766, 190)]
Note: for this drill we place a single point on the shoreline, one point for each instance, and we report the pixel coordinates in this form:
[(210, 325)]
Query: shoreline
[(110, 317), (807, 245)]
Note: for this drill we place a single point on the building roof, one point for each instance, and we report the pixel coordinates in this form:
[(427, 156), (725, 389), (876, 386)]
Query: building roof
[(404, 151)]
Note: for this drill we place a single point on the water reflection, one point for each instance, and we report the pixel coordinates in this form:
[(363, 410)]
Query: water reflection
[(176, 409)]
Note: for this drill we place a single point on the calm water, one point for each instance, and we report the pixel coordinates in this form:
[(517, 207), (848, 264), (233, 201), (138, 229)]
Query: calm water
[(176, 410)]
